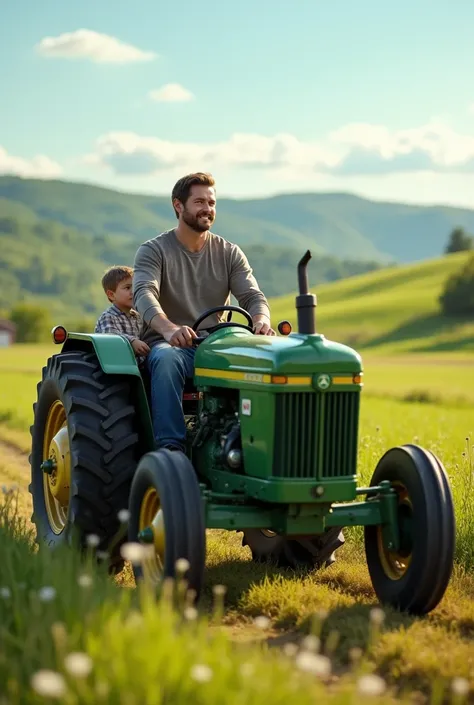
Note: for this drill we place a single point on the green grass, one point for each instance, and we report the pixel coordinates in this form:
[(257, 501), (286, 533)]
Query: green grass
[(135, 646), (141, 649), (388, 312)]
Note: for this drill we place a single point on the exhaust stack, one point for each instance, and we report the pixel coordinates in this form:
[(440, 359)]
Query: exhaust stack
[(305, 302)]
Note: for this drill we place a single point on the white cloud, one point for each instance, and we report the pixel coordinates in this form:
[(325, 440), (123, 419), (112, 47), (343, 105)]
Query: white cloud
[(376, 149), (39, 167), (357, 149), (171, 93), (87, 44), (127, 153)]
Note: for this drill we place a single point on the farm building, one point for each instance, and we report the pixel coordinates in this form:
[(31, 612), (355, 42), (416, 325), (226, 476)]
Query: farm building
[(7, 333)]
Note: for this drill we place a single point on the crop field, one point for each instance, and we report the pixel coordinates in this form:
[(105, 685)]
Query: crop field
[(69, 631)]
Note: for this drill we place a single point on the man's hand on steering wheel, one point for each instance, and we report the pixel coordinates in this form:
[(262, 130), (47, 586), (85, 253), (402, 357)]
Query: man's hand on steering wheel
[(181, 337)]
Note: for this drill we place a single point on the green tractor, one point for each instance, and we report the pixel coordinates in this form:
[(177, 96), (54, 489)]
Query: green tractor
[(272, 444)]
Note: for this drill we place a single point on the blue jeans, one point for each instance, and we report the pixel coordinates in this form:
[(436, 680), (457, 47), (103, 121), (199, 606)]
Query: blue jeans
[(169, 366)]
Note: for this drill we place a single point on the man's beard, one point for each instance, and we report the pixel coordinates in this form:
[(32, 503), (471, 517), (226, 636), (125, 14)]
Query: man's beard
[(192, 221)]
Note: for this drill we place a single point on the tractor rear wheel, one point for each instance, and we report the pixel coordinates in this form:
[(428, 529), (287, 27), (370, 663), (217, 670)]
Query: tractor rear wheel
[(167, 514), (84, 454), (306, 552), (415, 577)]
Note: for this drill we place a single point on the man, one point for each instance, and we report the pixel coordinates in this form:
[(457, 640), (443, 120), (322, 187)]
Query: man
[(177, 276)]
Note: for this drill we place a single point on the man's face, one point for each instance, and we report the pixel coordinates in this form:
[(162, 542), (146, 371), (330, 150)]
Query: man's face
[(199, 211)]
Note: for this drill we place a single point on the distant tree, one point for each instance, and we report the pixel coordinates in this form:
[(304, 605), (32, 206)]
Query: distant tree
[(457, 298), (459, 241), (33, 322), (10, 226)]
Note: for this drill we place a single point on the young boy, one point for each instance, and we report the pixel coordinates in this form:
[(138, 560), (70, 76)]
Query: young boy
[(120, 318)]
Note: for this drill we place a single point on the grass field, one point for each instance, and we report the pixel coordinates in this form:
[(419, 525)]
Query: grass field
[(140, 652)]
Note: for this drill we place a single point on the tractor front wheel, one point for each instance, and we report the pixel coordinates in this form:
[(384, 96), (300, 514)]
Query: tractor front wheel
[(167, 514), (414, 578)]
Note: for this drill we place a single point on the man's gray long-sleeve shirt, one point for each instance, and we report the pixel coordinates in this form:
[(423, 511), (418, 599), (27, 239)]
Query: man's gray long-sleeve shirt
[(170, 279)]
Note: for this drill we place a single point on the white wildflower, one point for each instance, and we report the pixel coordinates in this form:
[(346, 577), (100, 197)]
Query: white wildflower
[(313, 663), (123, 516), (371, 684), (262, 622), (377, 615), (102, 555), (290, 649), (311, 643), (133, 552), (92, 540), (460, 686), (201, 673), (48, 683), (47, 594), (5, 592), (182, 565), (78, 664), (84, 580), (190, 613), (219, 590)]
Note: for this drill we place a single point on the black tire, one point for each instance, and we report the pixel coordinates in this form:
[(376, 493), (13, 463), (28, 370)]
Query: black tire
[(103, 449), (427, 550), (171, 476), (305, 552)]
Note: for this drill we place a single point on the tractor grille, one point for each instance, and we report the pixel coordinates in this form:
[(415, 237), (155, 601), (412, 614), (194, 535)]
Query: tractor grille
[(316, 434)]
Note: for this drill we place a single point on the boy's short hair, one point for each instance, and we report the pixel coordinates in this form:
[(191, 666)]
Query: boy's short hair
[(114, 275)]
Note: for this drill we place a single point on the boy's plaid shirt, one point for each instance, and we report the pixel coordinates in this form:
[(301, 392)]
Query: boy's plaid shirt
[(115, 321)]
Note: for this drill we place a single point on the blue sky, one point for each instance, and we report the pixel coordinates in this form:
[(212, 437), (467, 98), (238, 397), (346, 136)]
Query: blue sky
[(369, 97)]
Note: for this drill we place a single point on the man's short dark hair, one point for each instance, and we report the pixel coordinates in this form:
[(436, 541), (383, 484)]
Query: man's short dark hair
[(182, 188)]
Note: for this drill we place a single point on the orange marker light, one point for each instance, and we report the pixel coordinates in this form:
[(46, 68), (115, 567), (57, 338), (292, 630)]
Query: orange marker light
[(357, 379), (279, 379), (59, 334), (284, 328)]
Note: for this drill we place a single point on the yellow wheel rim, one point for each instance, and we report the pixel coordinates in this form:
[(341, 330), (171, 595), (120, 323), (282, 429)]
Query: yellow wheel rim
[(151, 516), (57, 481), (395, 563)]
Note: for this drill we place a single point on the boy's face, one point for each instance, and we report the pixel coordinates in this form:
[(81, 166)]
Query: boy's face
[(123, 295)]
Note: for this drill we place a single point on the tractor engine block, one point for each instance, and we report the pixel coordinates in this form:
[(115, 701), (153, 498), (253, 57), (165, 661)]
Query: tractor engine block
[(216, 431)]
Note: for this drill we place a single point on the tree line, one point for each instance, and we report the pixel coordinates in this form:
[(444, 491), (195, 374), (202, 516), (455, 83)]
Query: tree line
[(457, 297)]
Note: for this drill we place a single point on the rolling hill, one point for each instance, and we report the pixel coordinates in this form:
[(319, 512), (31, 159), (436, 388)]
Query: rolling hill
[(338, 224), (60, 267), (394, 310)]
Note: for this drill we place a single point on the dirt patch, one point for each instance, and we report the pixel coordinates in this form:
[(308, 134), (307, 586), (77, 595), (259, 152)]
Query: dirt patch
[(15, 476)]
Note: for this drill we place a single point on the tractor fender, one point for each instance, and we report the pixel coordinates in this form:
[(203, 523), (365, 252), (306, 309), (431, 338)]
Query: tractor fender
[(114, 352)]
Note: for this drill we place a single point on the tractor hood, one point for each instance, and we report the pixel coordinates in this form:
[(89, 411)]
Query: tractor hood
[(235, 349)]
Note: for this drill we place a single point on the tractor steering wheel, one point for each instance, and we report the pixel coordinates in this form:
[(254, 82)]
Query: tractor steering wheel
[(218, 309)]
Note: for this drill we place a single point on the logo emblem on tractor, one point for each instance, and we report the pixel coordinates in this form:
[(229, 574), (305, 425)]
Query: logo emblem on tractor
[(323, 381)]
